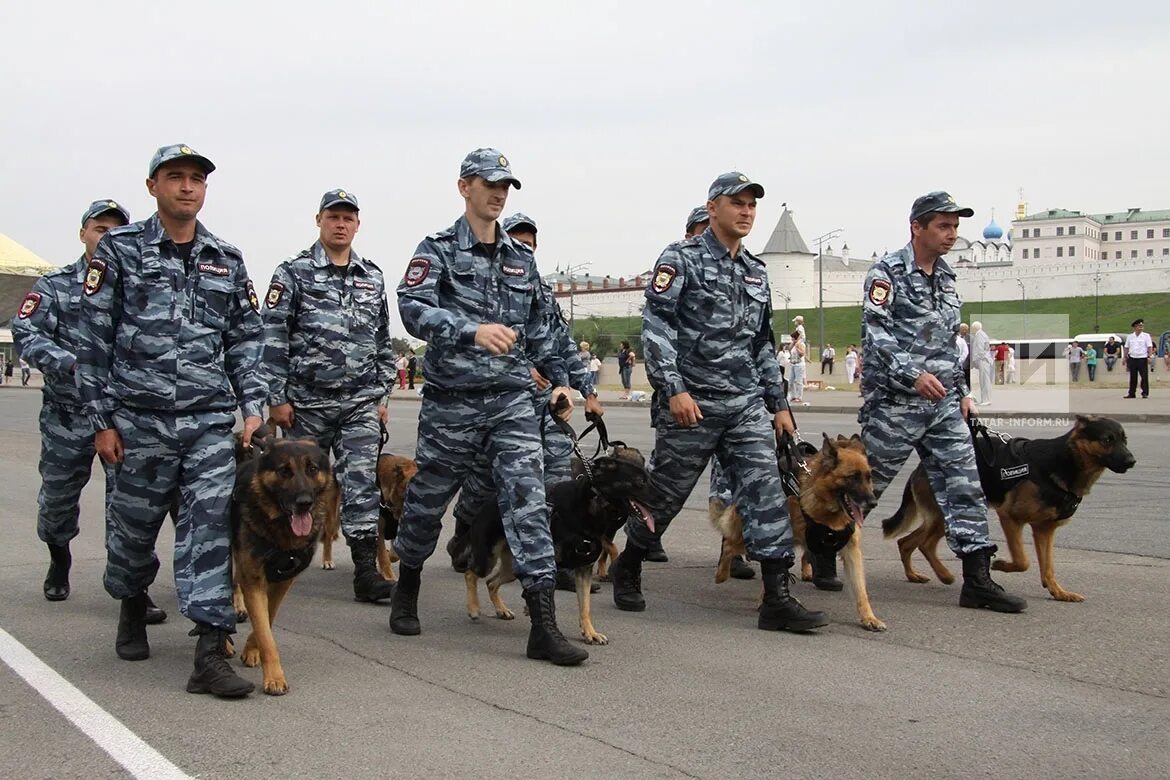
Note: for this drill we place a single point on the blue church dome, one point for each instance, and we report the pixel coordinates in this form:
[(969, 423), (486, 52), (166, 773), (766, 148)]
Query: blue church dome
[(992, 232)]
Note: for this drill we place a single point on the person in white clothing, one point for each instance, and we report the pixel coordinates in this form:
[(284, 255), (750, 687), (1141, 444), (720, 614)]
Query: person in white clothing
[(1139, 349), (851, 363), (796, 355), (981, 361), (1011, 365)]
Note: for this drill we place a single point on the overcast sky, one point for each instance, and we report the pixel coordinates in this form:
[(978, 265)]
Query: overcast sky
[(616, 115)]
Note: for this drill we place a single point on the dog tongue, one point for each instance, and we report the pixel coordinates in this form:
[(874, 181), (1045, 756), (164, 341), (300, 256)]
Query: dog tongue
[(855, 511), (644, 511), (302, 523)]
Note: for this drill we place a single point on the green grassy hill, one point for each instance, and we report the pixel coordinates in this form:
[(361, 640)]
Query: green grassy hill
[(1108, 314)]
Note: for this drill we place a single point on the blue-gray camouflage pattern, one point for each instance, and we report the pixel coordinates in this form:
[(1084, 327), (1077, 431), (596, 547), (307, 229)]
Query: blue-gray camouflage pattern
[(488, 164), (192, 453), (349, 430), (45, 331), (153, 337), (66, 464), (452, 430), (166, 154), (707, 331), (910, 326), (452, 286), (327, 333)]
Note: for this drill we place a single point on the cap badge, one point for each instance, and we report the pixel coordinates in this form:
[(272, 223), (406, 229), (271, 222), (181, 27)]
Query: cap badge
[(503, 161), (341, 194), (111, 204), (742, 177), (185, 150)]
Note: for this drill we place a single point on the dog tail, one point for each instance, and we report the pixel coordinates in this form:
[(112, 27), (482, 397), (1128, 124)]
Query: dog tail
[(725, 519), (905, 518)]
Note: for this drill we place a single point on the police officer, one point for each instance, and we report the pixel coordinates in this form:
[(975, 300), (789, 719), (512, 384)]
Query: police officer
[(706, 332), (45, 332), (169, 343), (329, 364), (557, 447), (916, 395), (473, 294)]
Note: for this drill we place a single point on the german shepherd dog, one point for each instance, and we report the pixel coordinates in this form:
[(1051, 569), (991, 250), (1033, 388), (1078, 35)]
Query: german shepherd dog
[(835, 493), (584, 513), (282, 494), (1061, 471), (394, 475)]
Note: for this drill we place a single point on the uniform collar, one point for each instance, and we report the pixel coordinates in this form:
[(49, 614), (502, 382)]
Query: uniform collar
[(153, 232), (467, 239), (321, 260), (718, 251), (908, 263)]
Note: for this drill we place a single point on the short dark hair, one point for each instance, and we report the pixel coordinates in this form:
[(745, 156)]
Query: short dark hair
[(927, 218)]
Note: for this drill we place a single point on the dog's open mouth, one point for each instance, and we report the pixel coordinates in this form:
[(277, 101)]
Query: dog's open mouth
[(642, 511), (301, 522), (852, 508)]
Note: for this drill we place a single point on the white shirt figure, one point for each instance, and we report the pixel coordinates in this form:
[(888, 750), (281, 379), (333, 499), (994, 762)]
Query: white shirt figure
[(1139, 345)]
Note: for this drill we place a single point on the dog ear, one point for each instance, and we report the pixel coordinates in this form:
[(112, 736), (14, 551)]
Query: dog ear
[(828, 452), (1082, 421)]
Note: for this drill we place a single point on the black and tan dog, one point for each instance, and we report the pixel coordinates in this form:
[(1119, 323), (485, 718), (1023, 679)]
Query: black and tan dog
[(282, 494), (834, 495), (394, 475), (584, 513), (1037, 482)]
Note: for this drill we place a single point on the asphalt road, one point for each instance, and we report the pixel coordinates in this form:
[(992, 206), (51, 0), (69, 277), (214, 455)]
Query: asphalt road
[(689, 688)]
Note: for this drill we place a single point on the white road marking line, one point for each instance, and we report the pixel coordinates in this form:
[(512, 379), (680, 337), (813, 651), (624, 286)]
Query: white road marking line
[(122, 744)]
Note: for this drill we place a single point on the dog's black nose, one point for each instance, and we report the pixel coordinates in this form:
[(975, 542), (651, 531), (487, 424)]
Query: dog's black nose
[(304, 504)]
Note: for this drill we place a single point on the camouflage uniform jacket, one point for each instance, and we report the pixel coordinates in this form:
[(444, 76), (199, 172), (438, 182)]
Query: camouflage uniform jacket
[(325, 332), (153, 337), (452, 286), (910, 326), (45, 331), (707, 325), (580, 378)]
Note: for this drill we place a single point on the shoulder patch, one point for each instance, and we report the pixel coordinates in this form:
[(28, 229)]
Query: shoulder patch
[(879, 292), (252, 299), (212, 268), (416, 271), (275, 293), (360, 285), (95, 275), (29, 305), (663, 277)]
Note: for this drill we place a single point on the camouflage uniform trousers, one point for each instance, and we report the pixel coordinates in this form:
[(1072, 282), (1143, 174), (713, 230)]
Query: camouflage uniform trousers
[(455, 428), (479, 488), (165, 452), (740, 435), (66, 464), (350, 431), (890, 430)]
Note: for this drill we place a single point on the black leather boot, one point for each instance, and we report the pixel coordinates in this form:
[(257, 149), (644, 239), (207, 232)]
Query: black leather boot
[(980, 591), (57, 580), (131, 644), (545, 640), (824, 570), (368, 584), (626, 574), (656, 553), (154, 615), (404, 605), (780, 610), (213, 674), (741, 569)]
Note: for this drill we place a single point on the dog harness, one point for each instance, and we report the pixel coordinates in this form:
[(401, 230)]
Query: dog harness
[(1004, 461), (818, 537)]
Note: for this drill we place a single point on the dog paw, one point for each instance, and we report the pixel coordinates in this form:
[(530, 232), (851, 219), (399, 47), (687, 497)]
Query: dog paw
[(915, 577), (604, 577), (947, 579), (1060, 594), (275, 686), (241, 616), (873, 624), (505, 614), (594, 638), (250, 656), (327, 565)]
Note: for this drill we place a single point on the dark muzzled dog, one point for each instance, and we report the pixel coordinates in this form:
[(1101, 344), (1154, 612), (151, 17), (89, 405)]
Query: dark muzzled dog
[(584, 513), (835, 493), (1037, 482), (279, 503)]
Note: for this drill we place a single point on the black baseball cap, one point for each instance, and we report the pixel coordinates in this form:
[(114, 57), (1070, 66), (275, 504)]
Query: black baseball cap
[(940, 202)]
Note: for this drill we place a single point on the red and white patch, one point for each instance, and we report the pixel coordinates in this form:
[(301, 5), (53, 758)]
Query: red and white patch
[(879, 292), (663, 278), (29, 305), (252, 299), (95, 275), (212, 268), (512, 270), (416, 271), (275, 293), (364, 285)]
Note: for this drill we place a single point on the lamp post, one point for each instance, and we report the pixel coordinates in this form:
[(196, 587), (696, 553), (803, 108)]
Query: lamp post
[(982, 287), (1024, 299), (1097, 300), (821, 280), (570, 271)]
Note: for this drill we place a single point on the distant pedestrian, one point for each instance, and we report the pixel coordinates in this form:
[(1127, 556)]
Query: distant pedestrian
[(595, 368), (1091, 362), (1011, 376), (851, 363), (797, 355), (626, 368), (981, 361), (827, 355), (1075, 355), (25, 372), (1112, 350), (1000, 353), (400, 364), (7, 371), (1139, 348)]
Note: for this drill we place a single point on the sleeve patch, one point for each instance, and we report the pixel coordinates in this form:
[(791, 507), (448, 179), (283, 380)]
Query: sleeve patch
[(95, 275), (879, 292), (275, 293), (663, 278), (252, 299), (417, 271), (29, 305)]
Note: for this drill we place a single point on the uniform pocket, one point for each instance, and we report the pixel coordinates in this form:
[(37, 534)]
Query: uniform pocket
[(213, 301), (515, 300)]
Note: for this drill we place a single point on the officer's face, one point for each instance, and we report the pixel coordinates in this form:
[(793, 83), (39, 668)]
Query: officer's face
[(733, 214), (525, 237), (95, 228), (179, 187), (338, 227), (485, 199), (939, 236)]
